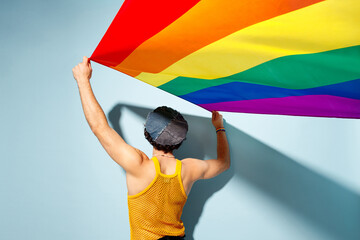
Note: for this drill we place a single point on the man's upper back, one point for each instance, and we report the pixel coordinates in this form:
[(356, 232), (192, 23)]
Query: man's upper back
[(156, 210)]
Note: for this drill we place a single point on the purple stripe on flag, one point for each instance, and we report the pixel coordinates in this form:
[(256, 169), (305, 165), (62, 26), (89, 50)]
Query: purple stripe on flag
[(309, 105)]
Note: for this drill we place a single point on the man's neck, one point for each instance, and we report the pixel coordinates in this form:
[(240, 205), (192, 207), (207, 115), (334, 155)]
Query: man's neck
[(160, 153)]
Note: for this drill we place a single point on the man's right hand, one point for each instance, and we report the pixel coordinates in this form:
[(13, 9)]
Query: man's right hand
[(217, 119)]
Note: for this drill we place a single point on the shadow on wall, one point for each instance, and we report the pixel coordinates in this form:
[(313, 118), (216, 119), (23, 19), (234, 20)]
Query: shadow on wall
[(317, 200)]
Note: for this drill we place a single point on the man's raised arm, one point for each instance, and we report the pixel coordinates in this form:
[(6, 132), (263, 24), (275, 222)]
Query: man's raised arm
[(205, 169), (216, 166), (126, 156)]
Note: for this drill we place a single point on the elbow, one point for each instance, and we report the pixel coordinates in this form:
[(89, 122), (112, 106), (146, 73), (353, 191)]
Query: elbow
[(97, 129), (225, 163), (98, 125)]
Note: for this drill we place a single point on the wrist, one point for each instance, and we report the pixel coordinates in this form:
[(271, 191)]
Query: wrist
[(83, 81), (220, 129)]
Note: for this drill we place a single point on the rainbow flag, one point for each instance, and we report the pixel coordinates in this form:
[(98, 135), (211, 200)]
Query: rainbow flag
[(288, 57)]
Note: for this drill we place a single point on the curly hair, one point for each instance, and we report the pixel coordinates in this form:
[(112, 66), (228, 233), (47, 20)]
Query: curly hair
[(165, 148)]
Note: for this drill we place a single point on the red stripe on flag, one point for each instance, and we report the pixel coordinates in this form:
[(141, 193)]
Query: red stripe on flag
[(136, 22)]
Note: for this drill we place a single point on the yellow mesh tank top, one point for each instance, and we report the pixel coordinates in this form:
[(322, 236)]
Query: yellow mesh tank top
[(155, 212)]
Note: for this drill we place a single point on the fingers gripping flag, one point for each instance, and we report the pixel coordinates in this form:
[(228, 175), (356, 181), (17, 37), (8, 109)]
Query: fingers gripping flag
[(288, 57)]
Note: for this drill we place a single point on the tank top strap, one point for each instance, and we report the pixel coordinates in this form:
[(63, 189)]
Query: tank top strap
[(157, 165), (178, 167)]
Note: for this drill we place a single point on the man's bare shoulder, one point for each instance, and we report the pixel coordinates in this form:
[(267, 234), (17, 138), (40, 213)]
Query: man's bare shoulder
[(193, 168), (138, 170), (142, 155), (190, 161), (193, 164)]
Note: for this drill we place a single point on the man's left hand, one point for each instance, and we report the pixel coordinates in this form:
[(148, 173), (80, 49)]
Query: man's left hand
[(82, 72)]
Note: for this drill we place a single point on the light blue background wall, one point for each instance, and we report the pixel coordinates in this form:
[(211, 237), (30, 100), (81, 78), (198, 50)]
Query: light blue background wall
[(291, 178)]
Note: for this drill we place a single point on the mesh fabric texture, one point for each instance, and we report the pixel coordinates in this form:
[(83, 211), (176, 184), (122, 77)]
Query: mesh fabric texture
[(156, 211)]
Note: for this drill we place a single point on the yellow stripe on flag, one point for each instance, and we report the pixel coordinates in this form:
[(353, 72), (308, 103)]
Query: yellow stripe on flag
[(320, 27)]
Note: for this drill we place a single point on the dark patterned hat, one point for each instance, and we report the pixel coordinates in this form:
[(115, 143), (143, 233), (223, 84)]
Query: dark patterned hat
[(166, 126)]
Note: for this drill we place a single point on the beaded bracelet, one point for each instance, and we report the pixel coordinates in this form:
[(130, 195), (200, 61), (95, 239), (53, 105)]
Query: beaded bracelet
[(220, 130)]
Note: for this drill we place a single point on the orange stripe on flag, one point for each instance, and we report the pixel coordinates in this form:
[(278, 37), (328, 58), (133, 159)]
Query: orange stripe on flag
[(206, 22)]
